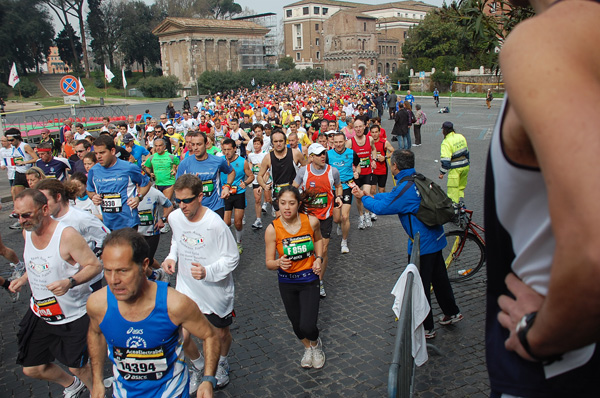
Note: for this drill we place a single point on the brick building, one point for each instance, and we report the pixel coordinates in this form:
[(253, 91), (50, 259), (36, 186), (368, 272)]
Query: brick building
[(54, 63), (191, 46), (312, 29)]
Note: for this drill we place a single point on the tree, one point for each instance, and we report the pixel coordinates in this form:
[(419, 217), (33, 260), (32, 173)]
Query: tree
[(139, 44), (438, 36), (224, 9), (105, 29), (287, 63), (63, 42), (26, 35), (218, 9), (75, 8)]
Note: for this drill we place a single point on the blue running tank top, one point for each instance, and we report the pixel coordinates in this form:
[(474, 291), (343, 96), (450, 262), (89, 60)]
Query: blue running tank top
[(147, 355)]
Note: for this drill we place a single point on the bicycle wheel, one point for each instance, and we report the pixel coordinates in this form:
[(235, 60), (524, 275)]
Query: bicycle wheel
[(464, 255)]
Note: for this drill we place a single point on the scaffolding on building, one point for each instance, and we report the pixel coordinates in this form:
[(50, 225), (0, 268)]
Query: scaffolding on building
[(261, 53)]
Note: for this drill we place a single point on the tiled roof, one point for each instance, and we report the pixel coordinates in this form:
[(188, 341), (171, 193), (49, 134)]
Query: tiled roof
[(407, 5), (210, 24)]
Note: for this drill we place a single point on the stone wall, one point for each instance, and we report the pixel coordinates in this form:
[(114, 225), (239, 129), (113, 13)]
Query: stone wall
[(481, 80)]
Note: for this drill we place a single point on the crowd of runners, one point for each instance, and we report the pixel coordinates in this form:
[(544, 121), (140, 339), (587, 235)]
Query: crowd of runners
[(300, 148)]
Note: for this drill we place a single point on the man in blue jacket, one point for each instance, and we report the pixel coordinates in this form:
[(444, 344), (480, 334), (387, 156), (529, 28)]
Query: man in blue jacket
[(406, 205)]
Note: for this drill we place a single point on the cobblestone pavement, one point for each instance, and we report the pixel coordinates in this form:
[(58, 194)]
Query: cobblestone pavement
[(356, 321)]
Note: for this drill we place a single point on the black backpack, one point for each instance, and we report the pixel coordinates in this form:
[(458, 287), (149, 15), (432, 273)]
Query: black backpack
[(436, 207)]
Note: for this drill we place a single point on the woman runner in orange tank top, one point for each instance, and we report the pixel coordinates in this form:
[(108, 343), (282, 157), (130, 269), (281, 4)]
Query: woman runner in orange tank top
[(296, 238)]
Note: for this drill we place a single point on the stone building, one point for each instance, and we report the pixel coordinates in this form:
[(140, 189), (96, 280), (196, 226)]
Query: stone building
[(306, 21), (191, 46)]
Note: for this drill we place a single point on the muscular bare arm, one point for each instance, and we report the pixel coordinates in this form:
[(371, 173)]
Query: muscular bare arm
[(264, 169), (535, 69), (96, 308)]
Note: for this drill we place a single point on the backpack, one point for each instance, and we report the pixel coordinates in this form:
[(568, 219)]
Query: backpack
[(436, 207), (423, 118)]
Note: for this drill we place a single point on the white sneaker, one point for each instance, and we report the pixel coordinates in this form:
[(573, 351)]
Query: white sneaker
[(361, 222), (244, 220), (368, 222), (273, 213), (345, 248), (373, 217), (264, 207), (222, 374), (307, 358), (76, 390), (257, 224), (195, 377), (165, 229), (339, 230), (318, 356)]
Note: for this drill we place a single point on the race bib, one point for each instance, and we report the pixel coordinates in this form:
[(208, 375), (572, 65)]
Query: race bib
[(17, 159), (208, 187), (111, 203), (255, 169), (298, 247), (146, 217), (365, 162), (319, 201), (278, 188), (140, 363), (48, 309)]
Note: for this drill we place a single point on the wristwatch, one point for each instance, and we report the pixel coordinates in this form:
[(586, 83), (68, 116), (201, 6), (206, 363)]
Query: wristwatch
[(319, 257), (211, 379), (522, 328), (140, 196), (73, 282), (164, 219)]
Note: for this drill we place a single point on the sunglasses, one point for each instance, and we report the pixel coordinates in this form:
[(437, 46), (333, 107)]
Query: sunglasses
[(27, 216), (186, 200)]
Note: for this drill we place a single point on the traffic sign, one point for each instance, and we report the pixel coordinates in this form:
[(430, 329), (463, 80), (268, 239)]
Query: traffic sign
[(421, 75), (71, 99), (69, 85)]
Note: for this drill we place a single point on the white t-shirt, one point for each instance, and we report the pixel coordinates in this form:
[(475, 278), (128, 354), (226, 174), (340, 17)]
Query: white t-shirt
[(210, 243)]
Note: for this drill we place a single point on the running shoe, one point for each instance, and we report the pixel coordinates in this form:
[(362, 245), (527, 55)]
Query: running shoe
[(448, 320), (361, 222), (257, 224), (373, 217), (318, 356), (273, 213), (264, 207), (75, 390), (322, 293), (345, 248), (339, 230), (195, 378), (430, 334), (240, 248), (165, 229), (307, 358), (368, 222), (244, 220), (14, 215), (16, 225), (222, 374)]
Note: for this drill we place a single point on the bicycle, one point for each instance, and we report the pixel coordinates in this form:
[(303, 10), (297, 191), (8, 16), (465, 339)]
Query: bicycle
[(464, 253)]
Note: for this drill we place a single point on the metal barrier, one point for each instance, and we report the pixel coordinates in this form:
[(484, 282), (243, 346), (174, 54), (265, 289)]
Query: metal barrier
[(402, 370)]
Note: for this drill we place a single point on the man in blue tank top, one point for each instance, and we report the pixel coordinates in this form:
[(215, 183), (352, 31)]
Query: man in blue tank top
[(140, 322)]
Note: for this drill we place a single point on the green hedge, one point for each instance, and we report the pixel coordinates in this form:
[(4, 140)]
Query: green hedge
[(159, 86), (26, 87), (213, 82)]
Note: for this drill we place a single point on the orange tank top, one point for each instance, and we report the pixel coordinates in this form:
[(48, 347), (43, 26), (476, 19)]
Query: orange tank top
[(299, 248)]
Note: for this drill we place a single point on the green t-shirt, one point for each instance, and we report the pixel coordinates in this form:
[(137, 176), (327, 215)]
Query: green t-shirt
[(161, 166)]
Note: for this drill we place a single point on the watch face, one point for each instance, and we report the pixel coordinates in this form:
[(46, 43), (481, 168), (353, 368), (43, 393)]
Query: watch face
[(522, 324)]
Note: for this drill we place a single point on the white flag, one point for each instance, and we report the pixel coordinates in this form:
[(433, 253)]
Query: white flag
[(253, 82), (124, 80), (81, 92), (13, 79), (108, 75)]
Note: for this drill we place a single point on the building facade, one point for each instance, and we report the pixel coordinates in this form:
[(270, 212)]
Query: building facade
[(306, 41), (54, 63), (191, 46)]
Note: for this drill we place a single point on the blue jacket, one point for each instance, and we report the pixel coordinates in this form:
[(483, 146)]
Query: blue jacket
[(406, 206)]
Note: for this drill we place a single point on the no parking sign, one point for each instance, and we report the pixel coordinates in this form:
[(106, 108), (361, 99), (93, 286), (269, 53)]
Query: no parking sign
[(69, 85)]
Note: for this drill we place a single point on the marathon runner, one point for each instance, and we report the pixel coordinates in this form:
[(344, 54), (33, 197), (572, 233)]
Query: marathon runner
[(384, 151), (347, 162), (118, 186), (365, 149), (58, 264), (52, 167), (208, 168), (322, 184), (162, 167), (236, 201), (282, 162), (255, 159), (205, 253), (296, 239), (140, 324)]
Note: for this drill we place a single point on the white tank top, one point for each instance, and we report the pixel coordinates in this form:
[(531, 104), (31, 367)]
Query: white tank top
[(20, 154), (46, 266)]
